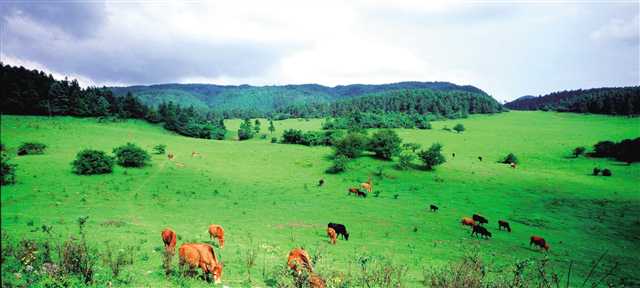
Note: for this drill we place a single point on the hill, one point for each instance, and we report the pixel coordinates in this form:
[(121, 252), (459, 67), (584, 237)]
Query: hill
[(613, 101)]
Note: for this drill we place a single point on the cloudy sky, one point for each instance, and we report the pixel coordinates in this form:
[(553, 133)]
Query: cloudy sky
[(507, 48)]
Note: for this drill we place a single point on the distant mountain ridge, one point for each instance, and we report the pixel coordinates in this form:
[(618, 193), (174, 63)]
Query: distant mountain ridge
[(606, 100)]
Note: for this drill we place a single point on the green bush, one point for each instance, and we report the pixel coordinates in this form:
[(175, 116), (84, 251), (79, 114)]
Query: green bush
[(31, 148), (274, 140), (246, 130), (339, 164), (596, 171), (292, 136), (351, 145), (130, 155), (7, 171), (90, 162), (511, 158), (405, 160), (385, 144), (459, 128), (579, 151), (160, 149), (432, 157)]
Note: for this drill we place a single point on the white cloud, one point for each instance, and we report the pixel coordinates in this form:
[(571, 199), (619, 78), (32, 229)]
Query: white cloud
[(619, 29)]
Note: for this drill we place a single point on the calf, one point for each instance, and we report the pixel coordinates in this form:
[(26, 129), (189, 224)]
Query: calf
[(216, 231), (433, 208), (466, 221), (357, 192), (504, 224), (480, 219), (321, 182), (540, 242), (340, 230), (480, 158), (299, 259), (453, 155), (332, 235), (170, 156), (480, 230), (169, 239)]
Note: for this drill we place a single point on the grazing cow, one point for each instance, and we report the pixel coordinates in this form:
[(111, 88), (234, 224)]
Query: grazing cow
[(368, 186), (203, 256), (433, 208), (540, 242), (169, 239), (340, 230), (332, 235), (356, 192), (216, 231), (480, 219), (170, 156), (299, 259), (480, 158), (480, 230), (321, 182), (513, 165), (361, 194), (504, 224), (316, 282), (453, 155), (466, 221), (195, 154)]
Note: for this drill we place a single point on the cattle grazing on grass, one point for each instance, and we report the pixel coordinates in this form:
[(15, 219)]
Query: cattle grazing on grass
[(453, 155), (504, 224), (216, 231), (480, 158), (367, 186), (466, 221), (201, 255), (316, 282), (332, 235), (169, 239), (321, 182), (195, 154), (480, 219), (356, 192), (480, 230), (540, 242), (299, 259), (170, 156), (340, 230), (433, 208)]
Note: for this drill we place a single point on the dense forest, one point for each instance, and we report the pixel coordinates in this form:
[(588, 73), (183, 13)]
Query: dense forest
[(32, 92), (250, 101), (612, 101)]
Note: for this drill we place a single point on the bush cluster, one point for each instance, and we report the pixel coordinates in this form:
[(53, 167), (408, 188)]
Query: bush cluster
[(511, 158), (130, 155), (30, 148), (7, 171), (311, 138), (89, 162), (627, 150)]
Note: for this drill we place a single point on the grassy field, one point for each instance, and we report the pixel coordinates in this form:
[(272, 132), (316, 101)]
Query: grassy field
[(266, 198)]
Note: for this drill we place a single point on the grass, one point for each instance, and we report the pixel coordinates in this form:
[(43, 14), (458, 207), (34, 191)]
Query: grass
[(265, 196)]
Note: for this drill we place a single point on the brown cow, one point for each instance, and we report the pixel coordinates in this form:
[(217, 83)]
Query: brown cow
[(216, 231), (170, 156), (356, 192), (195, 154), (332, 235), (316, 282), (203, 256), (169, 239), (466, 221), (298, 258), (368, 186), (540, 242)]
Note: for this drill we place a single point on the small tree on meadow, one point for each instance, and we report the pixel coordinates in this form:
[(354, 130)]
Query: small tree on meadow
[(245, 132), (272, 128), (405, 160), (385, 144), (256, 126), (432, 157), (352, 145), (90, 162), (130, 155), (411, 146), (160, 149), (29, 148), (339, 164), (579, 151), (511, 158), (459, 127)]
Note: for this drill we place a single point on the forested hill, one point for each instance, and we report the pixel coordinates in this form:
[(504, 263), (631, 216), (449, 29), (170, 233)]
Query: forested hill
[(613, 101), (251, 101)]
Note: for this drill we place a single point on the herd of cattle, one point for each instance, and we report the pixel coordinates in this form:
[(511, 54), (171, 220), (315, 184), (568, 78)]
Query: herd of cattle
[(202, 255)]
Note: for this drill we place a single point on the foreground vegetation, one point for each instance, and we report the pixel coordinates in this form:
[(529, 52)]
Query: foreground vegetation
[(266, 197)]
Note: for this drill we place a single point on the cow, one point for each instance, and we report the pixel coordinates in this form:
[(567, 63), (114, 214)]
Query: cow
[(170, 156), (299, 259), (480, 219), (169, 239), (433, 208), (513, 165), (321, 182), (480, 230), (367, 186), (203, 256), (216, 231), (332, 235), (195, 154), (540, 242), (504, 224), (340, 230), (466, 221), (480, 158), (357, 192), (453, 155), (316, 282)]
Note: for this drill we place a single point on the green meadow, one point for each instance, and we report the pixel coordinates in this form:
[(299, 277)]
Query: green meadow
[(266, 197)]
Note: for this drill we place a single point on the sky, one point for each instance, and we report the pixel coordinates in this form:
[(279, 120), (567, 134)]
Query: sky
[(507, 48)]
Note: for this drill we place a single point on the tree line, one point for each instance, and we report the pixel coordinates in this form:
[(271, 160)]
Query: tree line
[(32, 92)]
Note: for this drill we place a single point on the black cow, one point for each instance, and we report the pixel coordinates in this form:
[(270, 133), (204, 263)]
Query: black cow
[(504, 224), (480, 158), (479, 230), (321, 182), (340, 230), (480, 219), (453, 155), (433, 208)]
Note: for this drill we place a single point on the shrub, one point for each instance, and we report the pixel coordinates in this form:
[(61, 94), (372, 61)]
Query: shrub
[(160, 149), (274, 140), (411, 146), (432, 157), (7, 171), (246, 131), (292, 136), (422, 123), (351, 145), (130, 155), (76, 259), (117, 259), (511, 158), (312, 138), (92, 162), (606, 172), (339, 164), (405, 161), (579, 151), (31, 148), (604, 149), (596, 171), (459, 128), (385, 144)]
